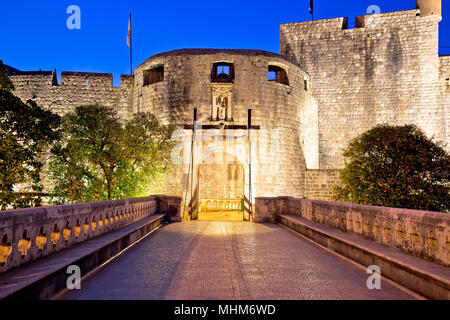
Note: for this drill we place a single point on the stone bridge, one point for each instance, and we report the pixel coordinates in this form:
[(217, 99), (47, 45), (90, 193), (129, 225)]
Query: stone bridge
[(292, 249)]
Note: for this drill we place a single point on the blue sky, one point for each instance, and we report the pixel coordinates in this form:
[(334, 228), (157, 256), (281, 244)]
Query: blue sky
[(35, 36)]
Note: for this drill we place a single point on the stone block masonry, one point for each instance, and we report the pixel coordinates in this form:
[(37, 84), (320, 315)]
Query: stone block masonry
[(284, 112), (445, 94), (319, 184), (76, 89), (386, 70)]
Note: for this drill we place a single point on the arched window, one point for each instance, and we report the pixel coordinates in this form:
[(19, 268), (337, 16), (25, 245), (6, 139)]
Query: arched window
[(222, 72), (278, 75)]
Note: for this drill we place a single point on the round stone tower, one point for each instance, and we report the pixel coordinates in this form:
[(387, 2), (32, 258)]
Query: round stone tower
[(429, 7), (229, 160)]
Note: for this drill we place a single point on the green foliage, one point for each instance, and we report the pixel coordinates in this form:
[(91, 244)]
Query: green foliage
[(5, 82), (26, 130), (99, 159), (396, 166)]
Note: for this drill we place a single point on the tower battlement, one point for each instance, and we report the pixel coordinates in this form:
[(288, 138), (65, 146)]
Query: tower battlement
[(367, 22), (385, 70), (68, 79)]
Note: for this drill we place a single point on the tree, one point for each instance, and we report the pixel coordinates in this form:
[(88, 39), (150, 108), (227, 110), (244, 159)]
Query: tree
[(396, 166), (98, 158), (5, 82), (26, 131)]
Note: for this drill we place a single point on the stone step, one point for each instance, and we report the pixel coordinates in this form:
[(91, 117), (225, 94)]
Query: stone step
[(221, 216)]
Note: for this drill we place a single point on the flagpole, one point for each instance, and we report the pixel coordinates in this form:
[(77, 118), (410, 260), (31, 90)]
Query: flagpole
[(131, 49)]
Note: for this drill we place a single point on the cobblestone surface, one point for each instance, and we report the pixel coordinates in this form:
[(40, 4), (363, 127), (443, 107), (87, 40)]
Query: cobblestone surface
[(229, 260)]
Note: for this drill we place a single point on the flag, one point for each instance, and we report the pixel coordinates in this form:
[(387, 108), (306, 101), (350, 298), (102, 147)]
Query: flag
[(129, 32), (311, 8)]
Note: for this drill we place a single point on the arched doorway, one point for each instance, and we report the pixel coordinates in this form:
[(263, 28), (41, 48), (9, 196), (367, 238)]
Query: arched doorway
[(221, 188)]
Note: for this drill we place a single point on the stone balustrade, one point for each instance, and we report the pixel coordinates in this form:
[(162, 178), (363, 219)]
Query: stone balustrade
[(420, 233), (211, 205), (29, 234)]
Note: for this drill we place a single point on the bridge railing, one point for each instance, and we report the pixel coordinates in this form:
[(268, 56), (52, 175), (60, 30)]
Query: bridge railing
[(421, 233), (30, 234), (218, 205)]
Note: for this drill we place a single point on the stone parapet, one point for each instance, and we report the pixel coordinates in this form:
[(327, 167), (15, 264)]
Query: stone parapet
[(30, 234), (419, 233)]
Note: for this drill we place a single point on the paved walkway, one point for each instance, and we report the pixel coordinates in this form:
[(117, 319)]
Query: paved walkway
[(229, 260)]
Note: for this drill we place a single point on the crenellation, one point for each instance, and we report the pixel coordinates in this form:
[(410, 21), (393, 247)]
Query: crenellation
[(126, 80), (34, 78), (88, 79), (76, 88), (319, 28)]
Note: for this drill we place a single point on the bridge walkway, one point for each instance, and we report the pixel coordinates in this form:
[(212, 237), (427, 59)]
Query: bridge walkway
[(231, 261)]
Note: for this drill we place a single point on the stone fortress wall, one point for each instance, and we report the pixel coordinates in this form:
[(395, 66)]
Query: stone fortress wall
[(75, 89), (445, 92), (284, 112), (341, 81), (319, 183), (385, 70), (288, 113)]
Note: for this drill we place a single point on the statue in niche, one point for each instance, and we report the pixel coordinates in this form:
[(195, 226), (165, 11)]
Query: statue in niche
[(221, 103), (222, 106)]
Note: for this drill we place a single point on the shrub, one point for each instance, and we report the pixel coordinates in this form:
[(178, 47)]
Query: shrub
[(396, 166)]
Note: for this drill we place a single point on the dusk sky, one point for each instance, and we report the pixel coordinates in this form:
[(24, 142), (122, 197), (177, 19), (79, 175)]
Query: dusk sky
[(35, 36)]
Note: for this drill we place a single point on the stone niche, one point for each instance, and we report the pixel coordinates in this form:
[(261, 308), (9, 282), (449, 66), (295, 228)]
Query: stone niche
[(221, 109)]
